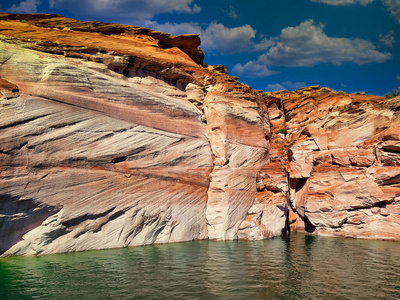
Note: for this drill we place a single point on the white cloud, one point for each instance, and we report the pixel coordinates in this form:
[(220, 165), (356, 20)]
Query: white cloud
[(394, 7), (230, 12), (174, 28), (263, 45), (398, 77), (24, 7), (294, 85), (252, 69), (308, 45), (387, 39), (343, 2), (286, 85), (217, 38), (222, 39), (133, 10), (274, 87)]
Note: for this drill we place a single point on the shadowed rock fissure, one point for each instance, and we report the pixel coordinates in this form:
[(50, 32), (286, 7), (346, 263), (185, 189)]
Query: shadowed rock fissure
[(19, 216)]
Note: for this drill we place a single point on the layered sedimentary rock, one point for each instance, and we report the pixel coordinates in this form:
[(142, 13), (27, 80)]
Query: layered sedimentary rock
[(343, 161), (117, 138)]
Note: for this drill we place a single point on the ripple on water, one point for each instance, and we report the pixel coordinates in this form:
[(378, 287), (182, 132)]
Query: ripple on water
[(292, 267)]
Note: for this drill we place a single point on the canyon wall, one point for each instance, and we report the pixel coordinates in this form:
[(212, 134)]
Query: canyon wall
[(343, 161), (115, 136), (131, 143)]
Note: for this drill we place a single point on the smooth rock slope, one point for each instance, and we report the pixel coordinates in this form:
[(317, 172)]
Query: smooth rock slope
[(130, 143)]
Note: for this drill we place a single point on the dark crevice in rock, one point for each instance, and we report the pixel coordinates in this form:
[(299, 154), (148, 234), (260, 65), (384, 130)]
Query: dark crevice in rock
[(119, 159), (78, 220), (381, 204), (14, 150), (308, 226), (391, 149), (117, 214), (19, 216)]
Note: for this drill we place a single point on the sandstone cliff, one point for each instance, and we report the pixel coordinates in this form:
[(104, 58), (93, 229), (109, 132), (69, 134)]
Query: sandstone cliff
[(342, 157), (116, 136)]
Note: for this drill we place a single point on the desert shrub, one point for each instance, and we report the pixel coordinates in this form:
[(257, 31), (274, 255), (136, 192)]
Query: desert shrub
[(283, 131), (266, 94), (393, 93)]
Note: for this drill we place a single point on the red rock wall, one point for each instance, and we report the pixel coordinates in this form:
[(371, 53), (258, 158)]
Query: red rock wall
[(344, 163), (93, 159)]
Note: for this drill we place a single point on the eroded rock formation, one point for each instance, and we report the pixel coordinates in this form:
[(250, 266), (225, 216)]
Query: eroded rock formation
[(116, 136), (131, 143), (343, 166)]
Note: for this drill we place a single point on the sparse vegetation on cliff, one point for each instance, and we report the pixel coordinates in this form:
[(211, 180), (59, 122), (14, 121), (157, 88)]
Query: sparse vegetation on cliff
[(266, 94), (283, 131), (393, 93)]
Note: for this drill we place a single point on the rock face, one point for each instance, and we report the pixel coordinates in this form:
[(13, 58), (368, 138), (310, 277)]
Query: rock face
[(131, 143), (116, 136), (343, 161)]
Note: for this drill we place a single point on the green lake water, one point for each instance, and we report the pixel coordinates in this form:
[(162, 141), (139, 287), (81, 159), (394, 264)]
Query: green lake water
[(293, 267)]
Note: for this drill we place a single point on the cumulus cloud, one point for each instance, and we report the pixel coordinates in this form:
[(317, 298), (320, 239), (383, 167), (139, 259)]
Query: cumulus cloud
[(252, 69), (263, 45), (274, 87), (286, 85), (134, 10), (215, 37), (308, 45), (343, 2), (294, 85), (394, 7), (175, 28), (24, 7), (222, 39), (388, 39)]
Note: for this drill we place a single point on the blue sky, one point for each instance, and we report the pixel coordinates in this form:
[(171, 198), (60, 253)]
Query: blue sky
[(349, 45)]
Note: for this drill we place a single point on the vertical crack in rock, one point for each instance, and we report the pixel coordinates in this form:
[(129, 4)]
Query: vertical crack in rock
[(239, 147), (268, 215)]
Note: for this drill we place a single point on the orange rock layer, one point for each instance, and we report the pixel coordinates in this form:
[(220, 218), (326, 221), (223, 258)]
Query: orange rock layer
[(343, 161)]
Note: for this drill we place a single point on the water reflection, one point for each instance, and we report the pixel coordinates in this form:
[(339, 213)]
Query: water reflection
[(293, 267)]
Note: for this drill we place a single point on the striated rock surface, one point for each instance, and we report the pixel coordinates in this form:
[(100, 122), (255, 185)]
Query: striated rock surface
[(115, 136), (343, 162)]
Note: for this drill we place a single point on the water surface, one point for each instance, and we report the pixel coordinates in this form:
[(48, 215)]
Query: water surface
[(292, 267)]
